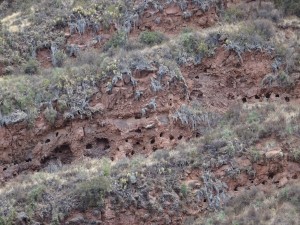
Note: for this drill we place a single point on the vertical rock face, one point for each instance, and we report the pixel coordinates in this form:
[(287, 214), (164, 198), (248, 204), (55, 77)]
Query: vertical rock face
[(121, 129), (172, 18)]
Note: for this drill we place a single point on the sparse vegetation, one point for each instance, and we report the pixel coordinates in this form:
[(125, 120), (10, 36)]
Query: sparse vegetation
[(73, 58), (93, 181), (258, 206), (31, 67), (151, 37), (289, 7)]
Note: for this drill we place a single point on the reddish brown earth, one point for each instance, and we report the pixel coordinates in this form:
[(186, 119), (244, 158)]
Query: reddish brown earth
[(44, 58), (120, 130), (273, 170), (172, 20)]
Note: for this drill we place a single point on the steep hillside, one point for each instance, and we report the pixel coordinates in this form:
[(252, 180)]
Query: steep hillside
[(149, 112)]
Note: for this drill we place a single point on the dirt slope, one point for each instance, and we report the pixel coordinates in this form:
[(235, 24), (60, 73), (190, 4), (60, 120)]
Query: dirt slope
[(219, 152)]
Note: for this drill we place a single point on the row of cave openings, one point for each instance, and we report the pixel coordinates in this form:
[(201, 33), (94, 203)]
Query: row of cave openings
[(139, 144), (64, 154), (267, 96), (268, 180)]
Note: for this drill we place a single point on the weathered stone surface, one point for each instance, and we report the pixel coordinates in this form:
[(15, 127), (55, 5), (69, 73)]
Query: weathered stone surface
[(274, 154)]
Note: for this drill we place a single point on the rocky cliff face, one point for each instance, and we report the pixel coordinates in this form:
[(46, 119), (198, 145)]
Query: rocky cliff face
[(153, 109), (120, 130)]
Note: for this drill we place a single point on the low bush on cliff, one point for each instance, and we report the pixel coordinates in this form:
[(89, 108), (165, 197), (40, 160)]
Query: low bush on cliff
[(151, 37), (252, 11), (259, 206), (289, 7), (128, 183)]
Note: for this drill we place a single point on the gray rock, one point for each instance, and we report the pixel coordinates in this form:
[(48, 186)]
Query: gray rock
[(22, 218)]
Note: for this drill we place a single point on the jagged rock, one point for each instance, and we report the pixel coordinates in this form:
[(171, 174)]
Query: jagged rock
[(22, 218), (172, 10), (15, 117), (133, 178), (274, 154), (99, 107), (283, 181), (77, 219)]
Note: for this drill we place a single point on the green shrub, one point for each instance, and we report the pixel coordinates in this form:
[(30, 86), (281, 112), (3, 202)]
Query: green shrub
[(289, 7), (50, 114), (291, 194), (190, 42), (31, 66), (151, 37), (244, 11), (255, 155), (184, 190), (233, 14), (58, 58), (248, 134), (295, 155), (91, 193), (35, 195), (117, 40), (264, 28)]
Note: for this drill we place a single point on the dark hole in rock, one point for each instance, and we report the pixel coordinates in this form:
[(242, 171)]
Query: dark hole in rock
[(264, 182), (132, 153), (295, 177), (171, 137), (236, 188), (138, 130), (244, 99), (152, 141), (197, 134), (154, 149), (287, 99), (180, 137), (144, 148), (112, 158), (252, 181), (257, 97), (4, 168), (28, 160), (268, 95), (56, 134), (15, 163), (46, 159), (204, 200), (47, 141), (161, 134), (277, 95), (196, 77), (126, 140), (271, 175), (89, 146), (63, 153), (138, 116), (102, 143), (137, 143), (230, 96)]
